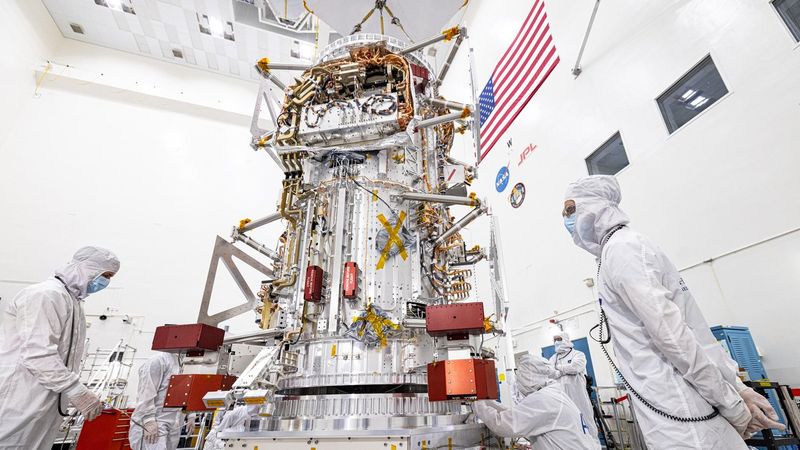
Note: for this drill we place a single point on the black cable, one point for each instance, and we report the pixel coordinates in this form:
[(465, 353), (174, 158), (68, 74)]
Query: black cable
[(376, 195), (69, 349), (603, 342)]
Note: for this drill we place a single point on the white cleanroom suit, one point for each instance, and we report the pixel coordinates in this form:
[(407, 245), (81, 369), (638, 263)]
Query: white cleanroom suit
[(154, 427), (663, 345), (570, 372), (230, 421), (546, 416), (41, 346)]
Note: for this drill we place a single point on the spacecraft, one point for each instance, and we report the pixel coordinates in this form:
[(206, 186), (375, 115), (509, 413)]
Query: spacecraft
[(371, 331)]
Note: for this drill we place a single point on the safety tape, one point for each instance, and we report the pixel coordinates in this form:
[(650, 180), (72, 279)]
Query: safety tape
[(393, 239), (379, 324)]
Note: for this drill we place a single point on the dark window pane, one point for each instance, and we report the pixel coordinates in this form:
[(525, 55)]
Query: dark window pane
[(609, 159), (790, 13), (692, 94)]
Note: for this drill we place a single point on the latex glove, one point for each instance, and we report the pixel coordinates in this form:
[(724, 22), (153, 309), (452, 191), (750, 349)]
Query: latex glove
[(88, 404), (738, 416), (764, 416), (151, 432)]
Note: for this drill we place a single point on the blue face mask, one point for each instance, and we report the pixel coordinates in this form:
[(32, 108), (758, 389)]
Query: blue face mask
[(569, 222), (98, 284)]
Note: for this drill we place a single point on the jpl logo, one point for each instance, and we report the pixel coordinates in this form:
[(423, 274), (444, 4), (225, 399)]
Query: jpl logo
[(501, 181), (525, 153)]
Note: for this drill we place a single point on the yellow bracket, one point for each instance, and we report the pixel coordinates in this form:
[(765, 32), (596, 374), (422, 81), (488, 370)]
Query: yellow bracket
[(474, 198), (305, 5), (450, 33), (466, 112), (393, 239), (263, 64), (242, 223)]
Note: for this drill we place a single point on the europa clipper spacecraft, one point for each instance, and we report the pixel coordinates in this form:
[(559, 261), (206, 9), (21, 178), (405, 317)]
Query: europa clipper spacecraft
[(372, 332)]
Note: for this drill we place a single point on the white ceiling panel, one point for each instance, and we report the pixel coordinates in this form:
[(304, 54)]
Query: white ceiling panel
[(157, 27)]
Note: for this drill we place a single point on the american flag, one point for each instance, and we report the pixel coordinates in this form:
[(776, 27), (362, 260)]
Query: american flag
[(517, 76)]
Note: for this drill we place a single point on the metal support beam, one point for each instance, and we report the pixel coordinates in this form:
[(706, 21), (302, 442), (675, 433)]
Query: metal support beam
[(260, 222), (255, 245), (577, 69), (446, 34), (275, 80), (476, 113), (458, 226), (448, 104), (451, 56), (225, 252), (433, 121), (437, 198)]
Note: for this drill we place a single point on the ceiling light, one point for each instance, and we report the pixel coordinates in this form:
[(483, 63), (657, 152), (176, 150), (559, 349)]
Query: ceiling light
[(215, 26), (688, 94), (698, 102), (76, 28)]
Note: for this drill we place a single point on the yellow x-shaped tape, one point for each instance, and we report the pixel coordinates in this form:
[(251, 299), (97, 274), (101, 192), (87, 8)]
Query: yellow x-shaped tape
[(378, 324), (393, 239)]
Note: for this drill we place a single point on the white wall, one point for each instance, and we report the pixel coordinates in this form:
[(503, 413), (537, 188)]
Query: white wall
[(152, 172), (724, 181)]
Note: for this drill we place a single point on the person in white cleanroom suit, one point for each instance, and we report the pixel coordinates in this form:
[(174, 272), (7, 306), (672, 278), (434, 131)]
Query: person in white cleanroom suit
[(231, 421), (570, 372), (663, 345), (545, 416), (41, 346), (154, 427)]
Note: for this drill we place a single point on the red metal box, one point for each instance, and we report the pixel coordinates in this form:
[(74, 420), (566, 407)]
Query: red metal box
[(187, 390), (312, 291), (109, 431), (462, 378), (456, 318), (192, 337), (350, 280)]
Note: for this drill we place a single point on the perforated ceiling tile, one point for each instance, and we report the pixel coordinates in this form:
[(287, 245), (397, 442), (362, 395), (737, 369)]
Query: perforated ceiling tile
[(233, 66), (211, 60), (172, 34), (147, 27), (188, 55), (142, 44), (147, 23), (122, 20)]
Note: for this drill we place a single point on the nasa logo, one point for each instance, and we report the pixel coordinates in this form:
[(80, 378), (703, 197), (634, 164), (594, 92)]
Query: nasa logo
[(501, 181)]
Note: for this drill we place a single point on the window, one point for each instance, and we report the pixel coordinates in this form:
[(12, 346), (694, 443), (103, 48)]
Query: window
[(609, 159), (692, 94), (789, 11)]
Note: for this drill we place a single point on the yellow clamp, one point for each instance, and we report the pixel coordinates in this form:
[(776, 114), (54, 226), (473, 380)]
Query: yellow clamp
[(378, 324), (466, 112), (450, 33), (263, 64), (394, 239), (474, 197), (242, 223), (461, 129), (476, 248), (488, 326)]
